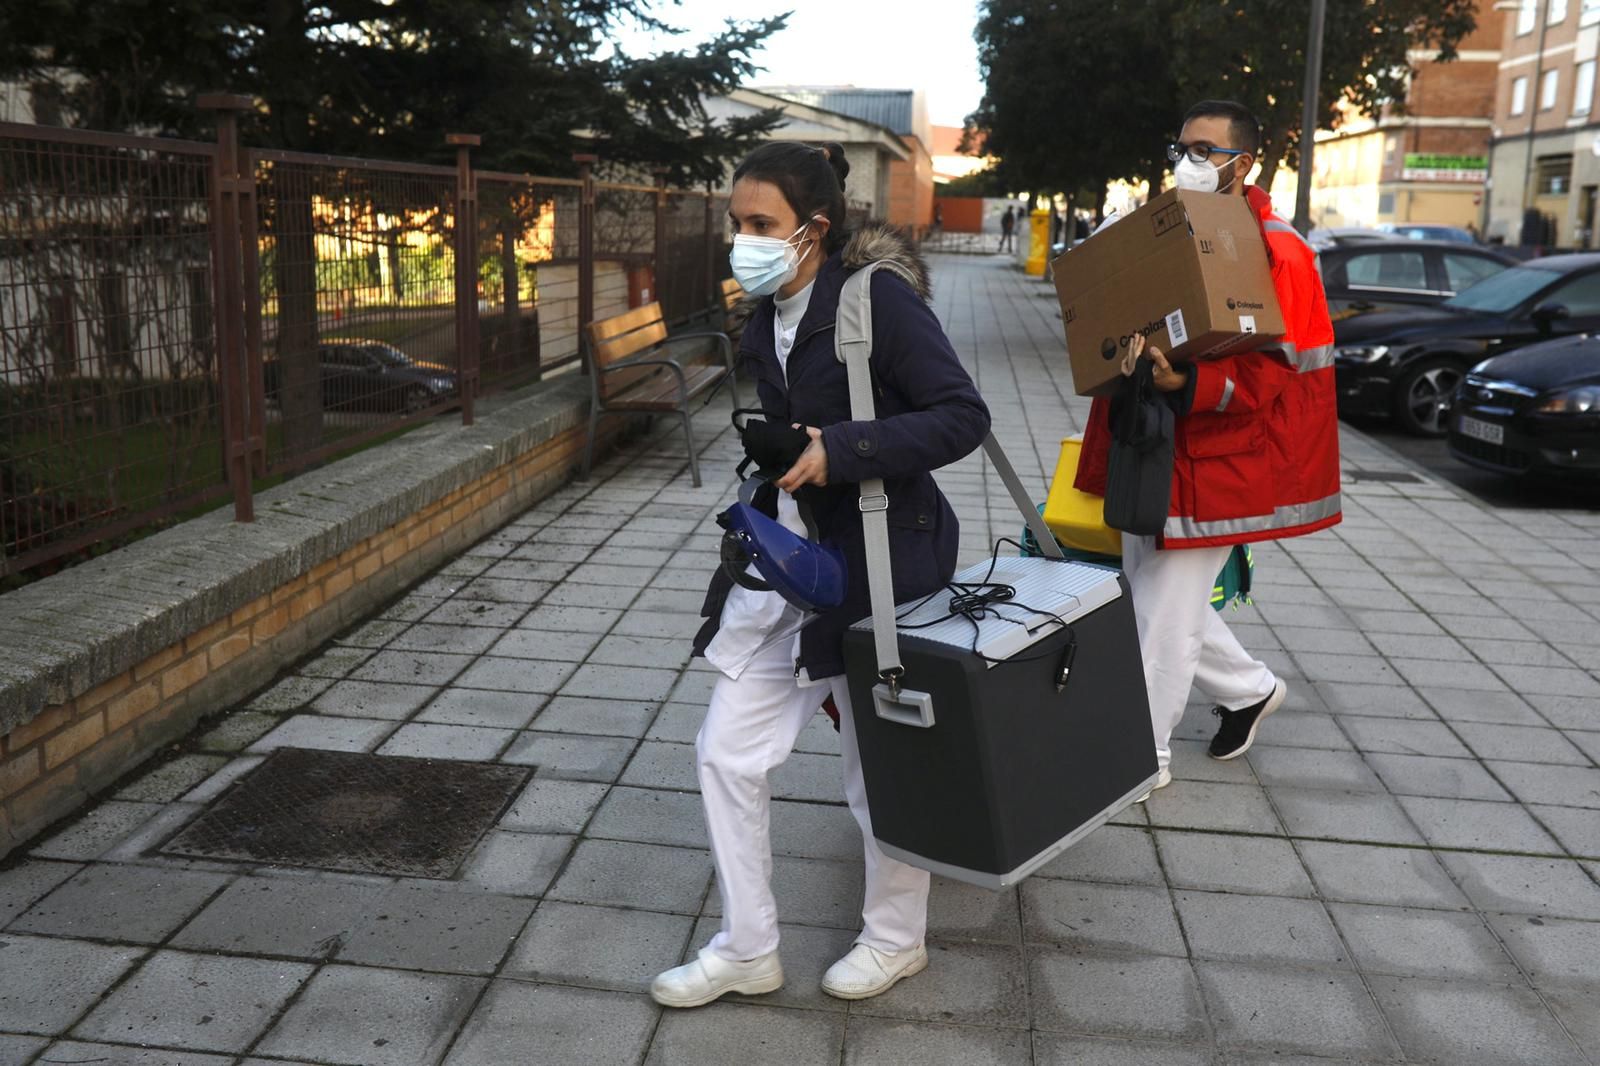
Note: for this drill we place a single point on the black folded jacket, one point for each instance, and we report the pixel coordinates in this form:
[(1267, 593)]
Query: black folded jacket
[(1139, 468)]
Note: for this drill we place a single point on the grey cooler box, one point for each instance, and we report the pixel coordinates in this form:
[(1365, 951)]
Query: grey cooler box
[(984, 771)]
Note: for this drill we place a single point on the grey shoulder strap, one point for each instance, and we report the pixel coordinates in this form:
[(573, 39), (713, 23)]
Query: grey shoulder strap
[(852, 341)]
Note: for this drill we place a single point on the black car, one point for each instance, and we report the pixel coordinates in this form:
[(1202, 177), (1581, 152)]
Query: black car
[(1407, 364), (367, 375), (1535, 411), (1398, 273)]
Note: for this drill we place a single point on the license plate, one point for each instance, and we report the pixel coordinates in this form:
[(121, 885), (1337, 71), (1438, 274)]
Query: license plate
[(1477, 429)]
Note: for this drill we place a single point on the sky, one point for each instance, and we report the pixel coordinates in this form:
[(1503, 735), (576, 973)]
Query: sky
[(872, 44)]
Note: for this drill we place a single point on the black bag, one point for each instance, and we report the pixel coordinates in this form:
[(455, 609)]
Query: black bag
[(1139, 468)]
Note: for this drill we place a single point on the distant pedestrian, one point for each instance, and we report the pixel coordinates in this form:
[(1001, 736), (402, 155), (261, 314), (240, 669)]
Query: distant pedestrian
[(790, 250), (938, 217), (1008, 225)]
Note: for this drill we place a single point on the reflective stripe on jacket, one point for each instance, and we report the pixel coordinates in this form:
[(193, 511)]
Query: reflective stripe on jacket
[(1256, 455)]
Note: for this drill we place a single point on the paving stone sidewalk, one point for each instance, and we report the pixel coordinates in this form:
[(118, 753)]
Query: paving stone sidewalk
[(1404, 868)]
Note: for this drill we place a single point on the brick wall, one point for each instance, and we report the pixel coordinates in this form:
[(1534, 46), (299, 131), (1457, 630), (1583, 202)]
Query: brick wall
[(52, 763), (911, 187)]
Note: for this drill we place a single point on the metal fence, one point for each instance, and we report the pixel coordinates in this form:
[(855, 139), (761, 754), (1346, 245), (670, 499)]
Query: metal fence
[(179, 319)]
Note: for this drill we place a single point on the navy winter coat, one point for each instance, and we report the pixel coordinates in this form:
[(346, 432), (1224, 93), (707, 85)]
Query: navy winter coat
[(929, 415)]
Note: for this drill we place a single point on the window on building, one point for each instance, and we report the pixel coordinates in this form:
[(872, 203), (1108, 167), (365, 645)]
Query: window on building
[(1464, 271), (1519, 95), (1548, 85), (1589, 13), (1583, 88), (45, 101), (1527, 16), (1557, 12), (1387, 270), (1555, 175)]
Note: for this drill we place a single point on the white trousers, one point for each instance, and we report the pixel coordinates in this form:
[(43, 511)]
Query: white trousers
[(749, 730), (1183, 640)]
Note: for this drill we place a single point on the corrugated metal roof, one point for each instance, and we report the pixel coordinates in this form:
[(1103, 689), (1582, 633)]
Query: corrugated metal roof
[(893, 108)]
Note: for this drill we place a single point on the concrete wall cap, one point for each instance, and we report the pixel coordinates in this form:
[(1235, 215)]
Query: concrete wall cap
[(67, 633)]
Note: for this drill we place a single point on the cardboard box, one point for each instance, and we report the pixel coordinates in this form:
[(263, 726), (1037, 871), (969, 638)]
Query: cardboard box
[(1189, 270)]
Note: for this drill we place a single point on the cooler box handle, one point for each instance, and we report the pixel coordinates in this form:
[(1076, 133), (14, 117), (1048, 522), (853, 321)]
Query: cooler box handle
[(908, 707)]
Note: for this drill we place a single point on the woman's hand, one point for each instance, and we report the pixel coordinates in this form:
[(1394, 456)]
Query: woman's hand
[(812, 466), (1164, 377)]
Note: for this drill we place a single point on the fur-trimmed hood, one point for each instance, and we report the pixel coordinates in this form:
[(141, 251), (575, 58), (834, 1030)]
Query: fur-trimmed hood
[(879, 240)]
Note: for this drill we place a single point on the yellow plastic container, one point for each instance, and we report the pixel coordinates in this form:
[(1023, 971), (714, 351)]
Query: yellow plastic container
[(1078, 519)]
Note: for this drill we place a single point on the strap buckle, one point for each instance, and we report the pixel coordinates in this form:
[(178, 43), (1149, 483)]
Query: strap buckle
[(892, 677), (873, 501)]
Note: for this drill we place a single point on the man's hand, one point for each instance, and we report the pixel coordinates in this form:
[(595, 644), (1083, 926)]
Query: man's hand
[(1164, 377), (812, 466)]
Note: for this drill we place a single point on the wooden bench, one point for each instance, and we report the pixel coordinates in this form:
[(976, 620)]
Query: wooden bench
[(629, 370), (733, 296)]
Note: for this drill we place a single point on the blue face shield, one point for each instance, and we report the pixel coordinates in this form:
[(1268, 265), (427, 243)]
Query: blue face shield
[(807, 574)]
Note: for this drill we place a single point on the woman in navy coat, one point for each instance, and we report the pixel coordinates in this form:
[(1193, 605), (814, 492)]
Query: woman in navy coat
[(790, 249)]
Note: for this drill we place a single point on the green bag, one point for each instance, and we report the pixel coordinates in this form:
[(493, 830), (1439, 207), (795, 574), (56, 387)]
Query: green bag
[(1233, 581)]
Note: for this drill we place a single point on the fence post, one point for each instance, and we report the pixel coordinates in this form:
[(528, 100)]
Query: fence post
[(512, 335), (660, 242), (466, 248), (228, 181), (713, 297), (586, 164)]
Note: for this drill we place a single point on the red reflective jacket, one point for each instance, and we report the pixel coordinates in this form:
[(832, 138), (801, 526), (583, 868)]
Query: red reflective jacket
[(1257, 456)]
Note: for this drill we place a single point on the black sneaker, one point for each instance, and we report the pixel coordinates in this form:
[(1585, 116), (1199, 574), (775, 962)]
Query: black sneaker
[(1238, 729)]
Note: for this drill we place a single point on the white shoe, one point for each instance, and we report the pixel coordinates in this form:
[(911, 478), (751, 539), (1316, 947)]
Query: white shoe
[(866, 972), (1163, 779), (709, 976)]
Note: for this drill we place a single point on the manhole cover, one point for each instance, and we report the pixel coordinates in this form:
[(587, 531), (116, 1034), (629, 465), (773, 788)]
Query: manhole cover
[(335, 810), (1392, 477)]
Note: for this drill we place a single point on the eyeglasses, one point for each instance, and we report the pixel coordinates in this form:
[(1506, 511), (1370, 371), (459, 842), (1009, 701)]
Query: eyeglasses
[(1199, 153)]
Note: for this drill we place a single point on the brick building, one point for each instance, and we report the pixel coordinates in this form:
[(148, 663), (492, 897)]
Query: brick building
[(1427, 164), (1545, 153), (949, 161)]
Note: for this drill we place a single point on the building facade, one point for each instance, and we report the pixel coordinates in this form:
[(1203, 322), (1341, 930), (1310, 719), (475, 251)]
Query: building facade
[(1545, 154), (871, 148), (949, 161), (1426, 162), (908, 198)]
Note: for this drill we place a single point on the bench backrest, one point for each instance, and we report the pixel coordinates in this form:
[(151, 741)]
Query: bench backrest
[(732, 293), (616, 339)]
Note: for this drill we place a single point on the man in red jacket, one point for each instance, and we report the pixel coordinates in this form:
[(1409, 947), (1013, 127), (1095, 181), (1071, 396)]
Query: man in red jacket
[(1256, 457)]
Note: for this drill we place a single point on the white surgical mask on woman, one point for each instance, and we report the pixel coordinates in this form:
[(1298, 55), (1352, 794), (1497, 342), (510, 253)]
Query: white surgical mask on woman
[(1200, 177), (763, 265)]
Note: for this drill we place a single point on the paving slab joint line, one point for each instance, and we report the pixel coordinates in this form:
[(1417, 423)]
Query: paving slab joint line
[(1397, 845), (148, 951), (1183, 934)]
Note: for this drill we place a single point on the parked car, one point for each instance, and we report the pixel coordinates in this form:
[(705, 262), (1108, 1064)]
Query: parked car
[(1427, 231), (371, 375), (1395, 274), (1336, 236), (1535, 411), (1407, 364)]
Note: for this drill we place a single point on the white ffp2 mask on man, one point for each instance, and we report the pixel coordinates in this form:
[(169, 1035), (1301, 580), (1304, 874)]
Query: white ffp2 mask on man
[(1200, 177)]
